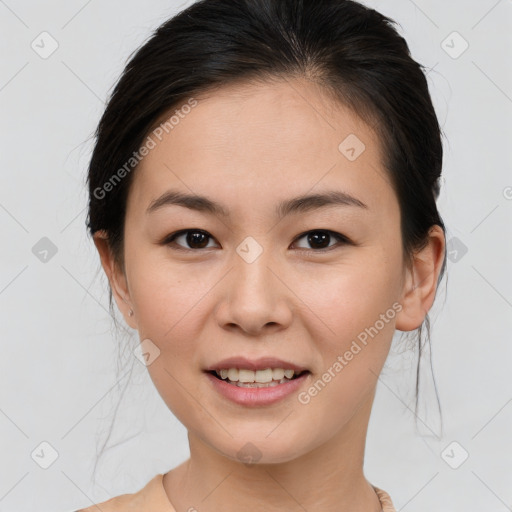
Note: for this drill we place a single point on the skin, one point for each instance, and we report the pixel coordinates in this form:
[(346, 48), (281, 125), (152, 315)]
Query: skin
[(249, 146)]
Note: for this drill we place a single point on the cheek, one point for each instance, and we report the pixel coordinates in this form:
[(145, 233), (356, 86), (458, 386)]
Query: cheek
[(162, 292), (165, 300), (168, 306), (354, 308), (351, 296), (357, 319)]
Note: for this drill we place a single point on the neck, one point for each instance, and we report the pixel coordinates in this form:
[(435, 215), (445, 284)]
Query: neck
[(328, 478)]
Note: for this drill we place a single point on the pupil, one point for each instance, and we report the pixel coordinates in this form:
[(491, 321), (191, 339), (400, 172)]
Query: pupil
[(318, 235), (194, 237)]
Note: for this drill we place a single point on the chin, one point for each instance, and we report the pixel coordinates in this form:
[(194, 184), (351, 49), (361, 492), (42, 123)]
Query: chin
[(255, 448)]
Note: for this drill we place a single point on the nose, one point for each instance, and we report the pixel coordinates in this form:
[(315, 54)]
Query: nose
[(255, 298)]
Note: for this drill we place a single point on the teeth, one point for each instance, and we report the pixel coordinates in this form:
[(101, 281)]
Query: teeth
[(263, 376), (246, 376), (232, 374), (266, 376), (278, 373)]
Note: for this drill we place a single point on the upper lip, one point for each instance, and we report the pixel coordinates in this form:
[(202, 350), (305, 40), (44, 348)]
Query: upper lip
[(261, 363)]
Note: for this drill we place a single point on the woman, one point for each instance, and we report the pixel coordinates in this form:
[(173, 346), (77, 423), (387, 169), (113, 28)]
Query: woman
[(263, 200)]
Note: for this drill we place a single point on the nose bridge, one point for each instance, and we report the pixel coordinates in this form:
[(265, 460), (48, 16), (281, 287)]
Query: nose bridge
[(253, 262), (254, 298)]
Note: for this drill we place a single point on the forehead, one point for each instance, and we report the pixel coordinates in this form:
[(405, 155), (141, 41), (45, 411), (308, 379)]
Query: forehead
[(253, 142)]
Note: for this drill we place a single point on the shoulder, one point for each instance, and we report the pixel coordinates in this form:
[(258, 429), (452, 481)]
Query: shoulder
[(385, 500), (123, 503), (144, 500)]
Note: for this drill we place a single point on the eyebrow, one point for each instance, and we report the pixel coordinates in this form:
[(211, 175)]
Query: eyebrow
[(300, 204)]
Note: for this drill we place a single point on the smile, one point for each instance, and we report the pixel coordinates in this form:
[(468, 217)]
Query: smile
[(256, 388), (251, 378)]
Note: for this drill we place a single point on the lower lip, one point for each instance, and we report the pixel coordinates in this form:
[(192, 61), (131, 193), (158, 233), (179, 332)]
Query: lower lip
[(257, 396)]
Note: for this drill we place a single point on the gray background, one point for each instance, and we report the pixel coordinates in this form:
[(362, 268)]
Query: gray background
[(59, 366)]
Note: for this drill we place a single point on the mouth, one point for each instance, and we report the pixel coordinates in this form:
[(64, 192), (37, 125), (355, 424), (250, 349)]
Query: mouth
[(257, 382), (269, 377)]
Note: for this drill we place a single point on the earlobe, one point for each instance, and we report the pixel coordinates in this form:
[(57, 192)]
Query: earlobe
[(116, 277), (420, 285)]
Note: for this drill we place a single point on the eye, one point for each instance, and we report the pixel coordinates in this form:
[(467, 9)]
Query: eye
[(320, 238), (195, 238)]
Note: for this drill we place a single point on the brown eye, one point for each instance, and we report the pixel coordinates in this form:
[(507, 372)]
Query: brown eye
[(319, 239), (193, 238)]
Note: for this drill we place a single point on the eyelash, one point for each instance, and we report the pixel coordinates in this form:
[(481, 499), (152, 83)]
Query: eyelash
[(342, 240)]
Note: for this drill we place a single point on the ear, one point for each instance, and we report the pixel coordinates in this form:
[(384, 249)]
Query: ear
[(116, 277), (420, 283)]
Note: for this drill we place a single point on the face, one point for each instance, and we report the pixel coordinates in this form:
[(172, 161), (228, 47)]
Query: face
[(320, 285)]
